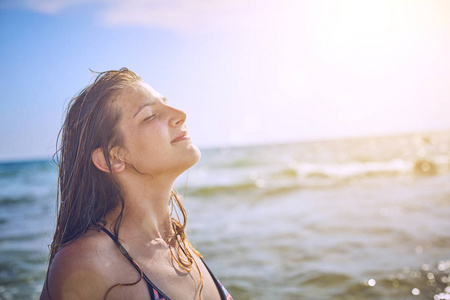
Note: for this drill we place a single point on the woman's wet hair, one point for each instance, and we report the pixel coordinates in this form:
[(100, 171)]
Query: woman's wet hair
[(85, 193)]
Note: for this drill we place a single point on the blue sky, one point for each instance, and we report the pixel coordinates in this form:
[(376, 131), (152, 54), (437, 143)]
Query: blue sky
[(246, 72)]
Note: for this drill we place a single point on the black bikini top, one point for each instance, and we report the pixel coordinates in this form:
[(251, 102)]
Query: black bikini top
[(155, 293)]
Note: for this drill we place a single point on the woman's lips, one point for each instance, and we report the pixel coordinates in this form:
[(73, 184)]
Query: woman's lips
[(181, 137)]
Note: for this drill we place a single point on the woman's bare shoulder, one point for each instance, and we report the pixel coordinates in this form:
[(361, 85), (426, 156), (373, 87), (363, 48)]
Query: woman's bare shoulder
[(80, 270)]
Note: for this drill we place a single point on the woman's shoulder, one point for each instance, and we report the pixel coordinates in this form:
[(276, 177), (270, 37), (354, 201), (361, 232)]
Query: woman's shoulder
[(81, 268), (85, 252)]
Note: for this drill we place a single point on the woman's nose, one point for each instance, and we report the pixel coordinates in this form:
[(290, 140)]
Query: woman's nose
[(178, 117)]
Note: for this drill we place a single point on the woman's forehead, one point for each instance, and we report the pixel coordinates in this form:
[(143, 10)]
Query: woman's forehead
[(136, 96), (147, 89), (139, 91)]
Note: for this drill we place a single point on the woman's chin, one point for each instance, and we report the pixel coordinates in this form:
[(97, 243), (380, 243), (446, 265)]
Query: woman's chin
[(194, 155)]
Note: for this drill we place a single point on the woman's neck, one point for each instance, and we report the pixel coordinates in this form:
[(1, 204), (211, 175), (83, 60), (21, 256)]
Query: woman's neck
[(147, 211)]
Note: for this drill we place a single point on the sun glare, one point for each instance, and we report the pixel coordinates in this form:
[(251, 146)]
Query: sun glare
[(366, 59)]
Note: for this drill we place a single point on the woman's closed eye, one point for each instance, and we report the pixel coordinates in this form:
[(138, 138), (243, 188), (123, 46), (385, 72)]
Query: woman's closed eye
[(149, 118)]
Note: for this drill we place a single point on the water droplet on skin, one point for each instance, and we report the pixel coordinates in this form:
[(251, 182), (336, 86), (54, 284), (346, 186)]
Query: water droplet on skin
[(415, 291), (371, 282), (421, 152), (426, 167)]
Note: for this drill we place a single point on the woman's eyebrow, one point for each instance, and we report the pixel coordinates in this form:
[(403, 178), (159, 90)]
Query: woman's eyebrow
[(142, 106), (164, 99)]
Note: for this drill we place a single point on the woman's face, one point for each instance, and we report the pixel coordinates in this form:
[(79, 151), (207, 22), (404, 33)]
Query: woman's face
[(155, 138)]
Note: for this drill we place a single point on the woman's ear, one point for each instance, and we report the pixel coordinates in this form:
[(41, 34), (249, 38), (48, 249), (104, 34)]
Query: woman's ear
[(100, 162)]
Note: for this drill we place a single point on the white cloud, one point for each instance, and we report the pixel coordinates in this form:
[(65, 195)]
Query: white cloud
[(44, 6), (194, 15), (178, 15), (280, 15)]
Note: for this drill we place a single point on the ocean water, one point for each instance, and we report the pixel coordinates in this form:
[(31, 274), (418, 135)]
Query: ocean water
[(361, 218)]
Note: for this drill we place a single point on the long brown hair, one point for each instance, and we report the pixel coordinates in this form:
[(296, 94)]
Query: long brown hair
[(85, 193)]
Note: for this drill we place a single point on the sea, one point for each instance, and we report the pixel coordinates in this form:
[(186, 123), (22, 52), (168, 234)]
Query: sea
[(360, 218)]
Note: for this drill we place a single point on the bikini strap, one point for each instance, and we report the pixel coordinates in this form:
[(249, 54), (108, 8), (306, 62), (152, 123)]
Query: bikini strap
[(121, 248), (219, 286), (134, 263)]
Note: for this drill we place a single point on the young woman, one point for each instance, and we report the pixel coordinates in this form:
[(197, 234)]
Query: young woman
[(122, 147)]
